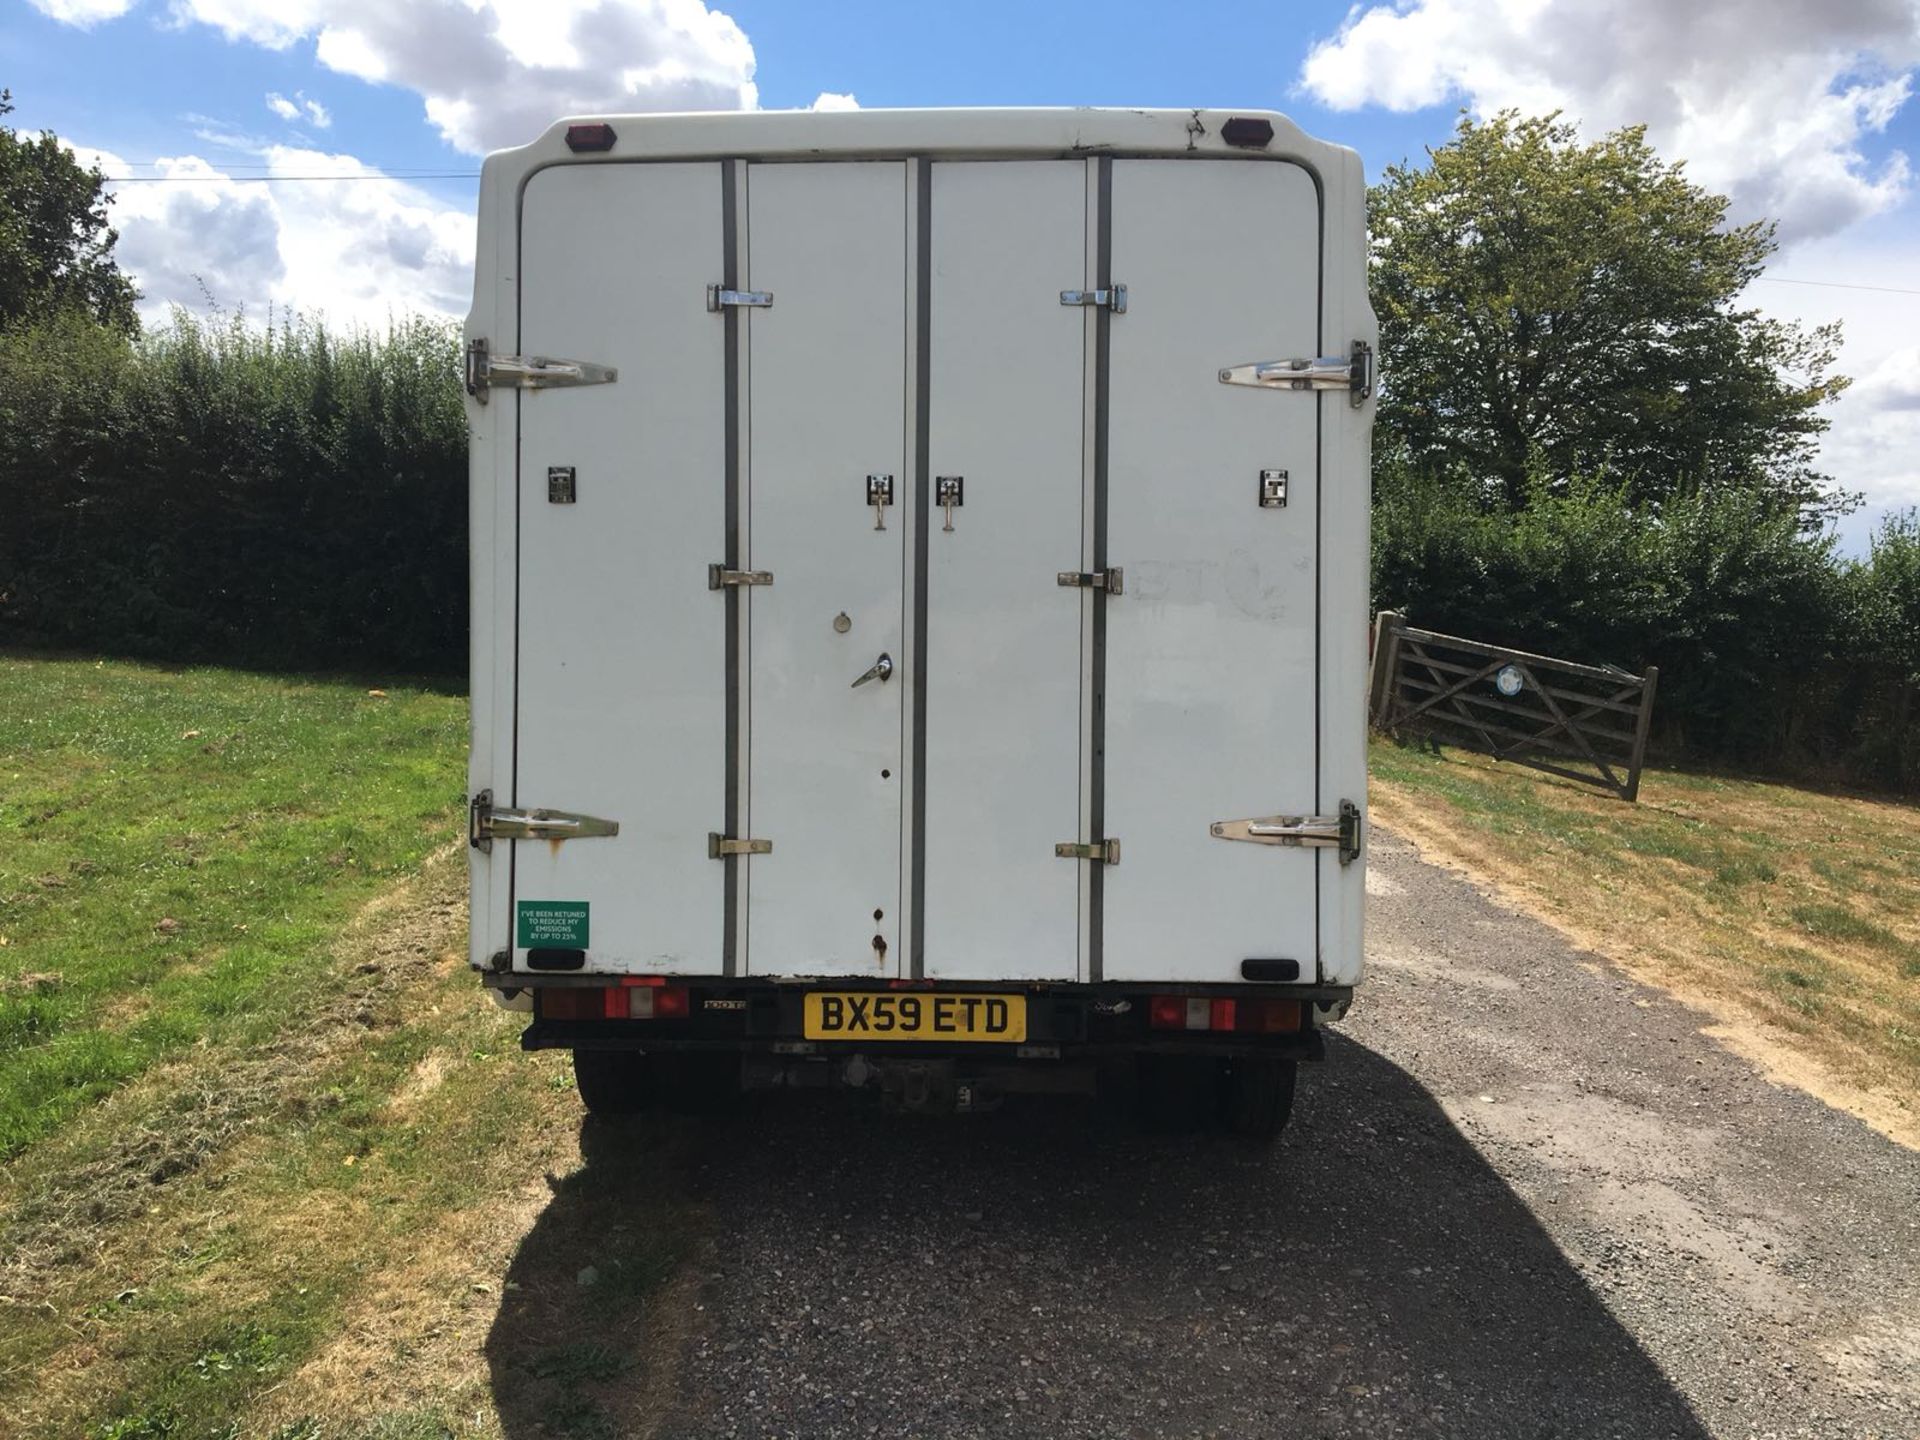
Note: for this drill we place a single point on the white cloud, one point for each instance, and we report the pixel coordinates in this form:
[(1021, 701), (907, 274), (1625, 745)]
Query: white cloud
[(1874, 445), (1767, 100), (1895, 382), (359, 250), (495, 73), (299, 108), (831, 100), (83, 12)]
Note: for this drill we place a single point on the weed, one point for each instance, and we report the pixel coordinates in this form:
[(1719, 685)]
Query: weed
[(1745, 870), (1836, 922), (571, 1364)]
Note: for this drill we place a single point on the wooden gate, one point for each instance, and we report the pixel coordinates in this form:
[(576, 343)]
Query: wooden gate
[(1586, 723)]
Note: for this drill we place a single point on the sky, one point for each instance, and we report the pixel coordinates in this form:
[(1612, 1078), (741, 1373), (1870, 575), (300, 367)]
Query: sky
[(321, 155)]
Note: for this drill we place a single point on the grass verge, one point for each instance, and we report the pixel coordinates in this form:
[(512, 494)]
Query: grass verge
[(174, 843), (1792, 915), (328, 1200)]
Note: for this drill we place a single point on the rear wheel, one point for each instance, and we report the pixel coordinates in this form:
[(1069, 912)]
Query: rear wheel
[(614, 1082), (1176, 1094), (1257, 1096), (699, 1083)]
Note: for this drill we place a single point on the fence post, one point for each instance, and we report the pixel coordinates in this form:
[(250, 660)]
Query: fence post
[(1386, 654), (1648, 684)]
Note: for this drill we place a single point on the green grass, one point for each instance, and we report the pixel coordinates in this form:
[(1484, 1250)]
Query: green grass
[(1799, 908), (259, 1158), (173, 847)]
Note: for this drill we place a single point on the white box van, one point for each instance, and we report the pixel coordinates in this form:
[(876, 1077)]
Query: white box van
[(920, 601)]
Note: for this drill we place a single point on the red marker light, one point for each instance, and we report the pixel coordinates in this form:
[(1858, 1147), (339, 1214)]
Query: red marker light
[(585, 138)]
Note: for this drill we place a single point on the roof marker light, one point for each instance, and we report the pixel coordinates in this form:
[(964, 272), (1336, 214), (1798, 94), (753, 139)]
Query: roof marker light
[(597, 136), (1247, 133)]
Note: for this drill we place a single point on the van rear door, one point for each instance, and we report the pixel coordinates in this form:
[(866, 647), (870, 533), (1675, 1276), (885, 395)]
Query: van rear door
[(621, 703)]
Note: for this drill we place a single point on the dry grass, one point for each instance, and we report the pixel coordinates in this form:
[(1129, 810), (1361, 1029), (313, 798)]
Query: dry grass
[(1790, 915), (372, 1227)]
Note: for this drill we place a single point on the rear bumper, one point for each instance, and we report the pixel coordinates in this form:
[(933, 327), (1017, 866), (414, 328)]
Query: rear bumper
[(1064, 1021)]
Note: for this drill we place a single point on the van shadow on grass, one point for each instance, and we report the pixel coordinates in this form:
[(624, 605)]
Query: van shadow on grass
[(1046, 1271)]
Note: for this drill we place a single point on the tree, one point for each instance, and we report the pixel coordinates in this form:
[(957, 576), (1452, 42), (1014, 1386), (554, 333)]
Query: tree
[(56, 248), (1545, 303)]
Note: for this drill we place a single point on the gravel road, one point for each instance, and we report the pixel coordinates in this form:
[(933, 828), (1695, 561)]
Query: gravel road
[(1523, 1197)]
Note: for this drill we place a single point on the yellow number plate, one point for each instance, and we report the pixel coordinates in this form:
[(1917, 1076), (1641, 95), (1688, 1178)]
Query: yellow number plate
[(870, 1015)]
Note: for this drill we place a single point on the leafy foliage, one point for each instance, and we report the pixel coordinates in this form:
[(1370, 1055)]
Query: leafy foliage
[(56, 248), (1774, 651), (1547, 305), (288, 497)]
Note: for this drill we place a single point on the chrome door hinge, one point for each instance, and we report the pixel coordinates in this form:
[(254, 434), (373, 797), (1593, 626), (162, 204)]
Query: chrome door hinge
[(486, 370), (1114, 299), (720, 846), (1341, 832), (1107, 852), (719, 298), (1112, 580), (1352, 372), (719, 577), (486, 824)]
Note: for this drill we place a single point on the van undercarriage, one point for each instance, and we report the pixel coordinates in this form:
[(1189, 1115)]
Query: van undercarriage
[(1211, 1053)]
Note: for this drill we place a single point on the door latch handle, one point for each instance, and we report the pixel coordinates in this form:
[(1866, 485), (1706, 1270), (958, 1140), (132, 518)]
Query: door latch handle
[(881, 669)]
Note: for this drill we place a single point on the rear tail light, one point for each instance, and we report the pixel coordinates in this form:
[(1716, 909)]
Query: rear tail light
[(648, 1000), (1197, 1012)]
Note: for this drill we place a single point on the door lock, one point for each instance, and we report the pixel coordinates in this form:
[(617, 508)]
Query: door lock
[(879, 496), (881, 669)]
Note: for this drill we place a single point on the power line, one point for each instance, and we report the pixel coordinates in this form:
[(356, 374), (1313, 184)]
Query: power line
[(283, 179), (1836, 285)]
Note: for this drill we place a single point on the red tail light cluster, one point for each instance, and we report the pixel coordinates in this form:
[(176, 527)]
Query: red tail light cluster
[(644, 998), (1197, 1012)]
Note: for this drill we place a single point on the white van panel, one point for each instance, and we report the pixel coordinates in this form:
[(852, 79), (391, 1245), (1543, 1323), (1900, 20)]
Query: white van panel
[(621, 677), (1003, 640), (1211, 651), (827, 393)]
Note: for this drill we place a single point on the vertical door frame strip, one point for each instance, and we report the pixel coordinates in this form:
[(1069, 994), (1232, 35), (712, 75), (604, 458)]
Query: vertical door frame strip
[(730, 179), (1097, 720), (921, 310)]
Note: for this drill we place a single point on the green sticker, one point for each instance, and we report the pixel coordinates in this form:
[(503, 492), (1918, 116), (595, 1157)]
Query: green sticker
[(557, 923)]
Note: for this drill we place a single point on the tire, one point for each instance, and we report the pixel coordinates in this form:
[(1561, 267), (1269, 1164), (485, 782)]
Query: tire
[(1257, 1098), (1176, 1094), (699, 1083), (614, 1082)]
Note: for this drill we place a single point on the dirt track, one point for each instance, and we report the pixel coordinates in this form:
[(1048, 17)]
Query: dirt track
[(1524, 1197)]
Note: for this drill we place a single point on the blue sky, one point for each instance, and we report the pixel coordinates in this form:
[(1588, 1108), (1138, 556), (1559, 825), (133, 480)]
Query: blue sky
[(1799, 113)]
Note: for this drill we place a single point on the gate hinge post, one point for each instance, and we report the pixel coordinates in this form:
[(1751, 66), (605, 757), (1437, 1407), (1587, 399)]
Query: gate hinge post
[(485, 370), (719, 577), (1107, 852), (1112, 580), (720, 846)]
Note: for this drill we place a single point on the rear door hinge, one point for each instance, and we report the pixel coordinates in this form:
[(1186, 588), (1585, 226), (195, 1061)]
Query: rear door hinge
[(1112, 580), (486, 370), (720, 846), (1114, 299), (1352, 372), (719, 577), (1107, 852), (486, 824), (1341, 832), (719, 298)]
